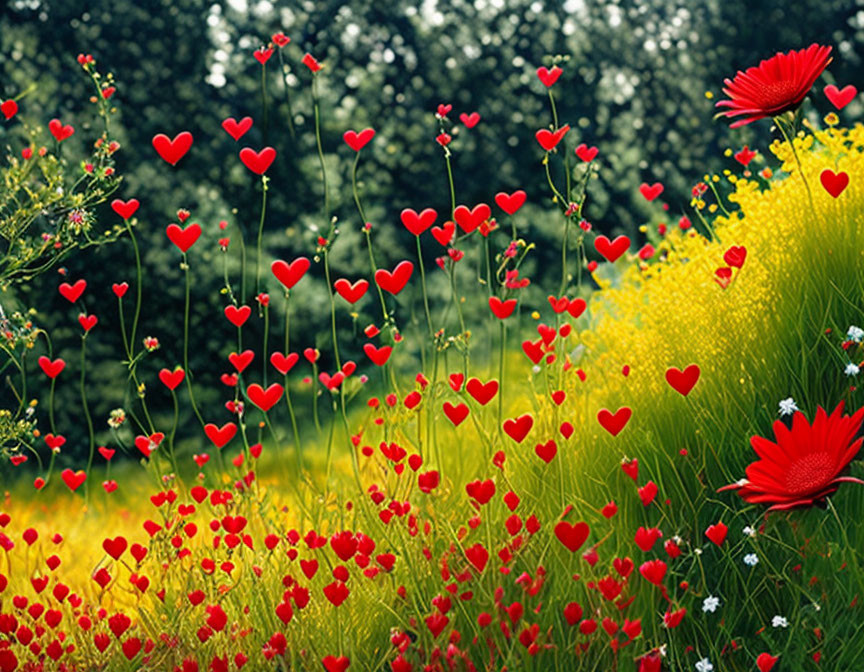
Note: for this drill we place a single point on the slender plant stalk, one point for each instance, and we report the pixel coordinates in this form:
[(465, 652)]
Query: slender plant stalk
[(86, 408), (189, 386)]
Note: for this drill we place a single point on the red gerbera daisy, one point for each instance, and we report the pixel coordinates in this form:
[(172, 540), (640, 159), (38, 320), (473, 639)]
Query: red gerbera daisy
[(805, 464), (777, 85)]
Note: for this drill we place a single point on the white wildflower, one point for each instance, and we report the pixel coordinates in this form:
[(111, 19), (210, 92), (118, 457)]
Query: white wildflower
[(710, 604), (855, 334), (704, 665), (788, 406), (779, 622), (751, 559), (851, 369)]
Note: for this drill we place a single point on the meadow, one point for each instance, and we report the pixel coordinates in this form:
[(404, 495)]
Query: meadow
[(654, 467)]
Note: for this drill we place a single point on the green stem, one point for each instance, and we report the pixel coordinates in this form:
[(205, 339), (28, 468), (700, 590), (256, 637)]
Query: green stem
[(260, 234), (287, 97), (425, 294), (189, 387), (264, 99), (780, 124), (320, 148), (297, 447), (86, 410)]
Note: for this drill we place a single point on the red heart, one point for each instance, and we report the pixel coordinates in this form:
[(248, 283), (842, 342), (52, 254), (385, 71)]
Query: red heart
[(549, 75), (264, 399), (840, 98), (834, 183), (106, 453), (379, 356), (417, 224), (624, 566), (614, 423), (237, 129), (54, 443), (533, 350), (172, 150), (576, 308), (735, 256), (456, 414), (572, 536), (352, 293), (478, 556), (115, 547), (263, 55), (502, 309), (481, 491), (335, 664), (586, 153), (683, 381), (468, 220), (358, 141), (444, 234), (49, 368), (257, 162), (125, 208), (456, 380), (87, 322), (290, 274), (518, 428), (483, 393), (546, 451), (183, 238), (717, 533), (9, 108), (558, 305), (282, 363), (120, 289), (72, 292), (172, 379), (394, 282), (73, 479), (549, 140), (241, 360), (59, 131), (146, 444), (237, 315), (470, 120), (510, 203), (765, 661), (611, 250), (220, 436), (650, 191)]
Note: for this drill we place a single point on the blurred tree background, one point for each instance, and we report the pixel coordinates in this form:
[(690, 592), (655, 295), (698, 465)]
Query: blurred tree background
[(634, 84)]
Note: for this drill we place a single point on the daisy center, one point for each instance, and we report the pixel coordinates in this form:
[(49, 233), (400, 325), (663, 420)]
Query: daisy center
[(810, 473)]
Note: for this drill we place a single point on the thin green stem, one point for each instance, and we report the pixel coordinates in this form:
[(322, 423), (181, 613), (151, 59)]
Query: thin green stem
[(264, 181), (86, 408), (189, 386)]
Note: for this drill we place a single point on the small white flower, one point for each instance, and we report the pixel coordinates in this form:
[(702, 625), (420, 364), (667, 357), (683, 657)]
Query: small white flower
[(817, 606), (851, 369), (855, 334), (751, 559), (779, 622), (710, 604), (697, 551), (704, 665), (749, 531), (788, 406)]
